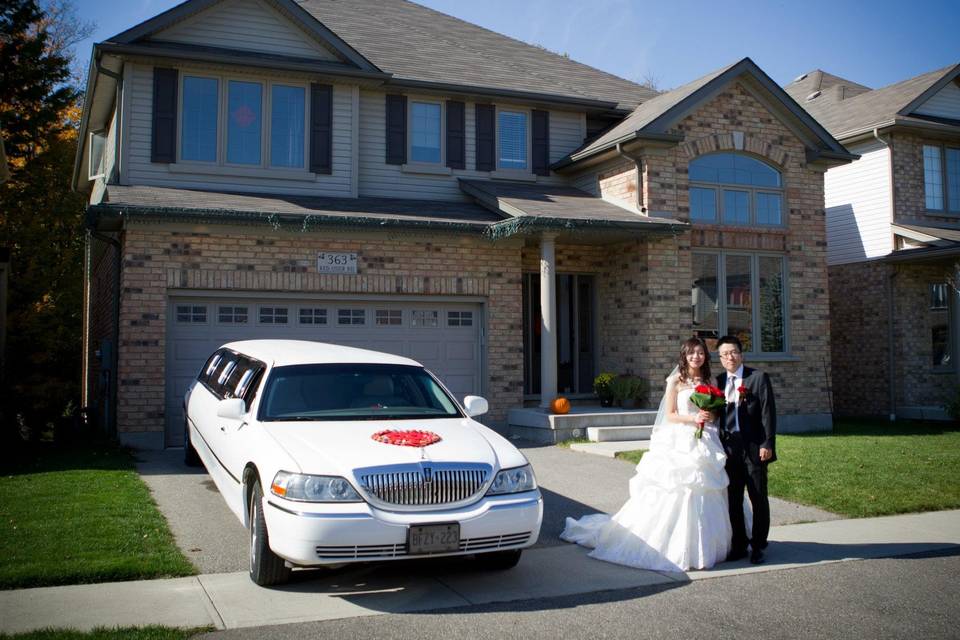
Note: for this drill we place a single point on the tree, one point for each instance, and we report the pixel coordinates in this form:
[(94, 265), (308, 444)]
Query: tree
[(41, 219)]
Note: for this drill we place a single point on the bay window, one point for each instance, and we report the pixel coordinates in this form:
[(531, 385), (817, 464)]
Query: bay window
[(740, 294)]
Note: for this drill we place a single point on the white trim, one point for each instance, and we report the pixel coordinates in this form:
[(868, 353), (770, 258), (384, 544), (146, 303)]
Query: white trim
[(204, 168), (432, 169)]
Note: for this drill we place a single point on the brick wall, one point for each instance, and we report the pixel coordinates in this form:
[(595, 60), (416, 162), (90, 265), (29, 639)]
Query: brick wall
[(908, 188), (158, 261), (100, 324)]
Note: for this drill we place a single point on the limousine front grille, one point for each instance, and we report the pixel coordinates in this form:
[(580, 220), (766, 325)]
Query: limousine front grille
[(425, 484), (399, 550)]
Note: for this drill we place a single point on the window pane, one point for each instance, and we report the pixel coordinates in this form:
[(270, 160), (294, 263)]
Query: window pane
[(243, 122), (388, 317), (938, 295), (768, 208), (953, 179), (286, 126), (425, 134), (940, 342), (703, 204), (198, 139), (512, 130), (932, 177), (771, 304), (703, 296), (732, 168), (739, 303), (736, 207)]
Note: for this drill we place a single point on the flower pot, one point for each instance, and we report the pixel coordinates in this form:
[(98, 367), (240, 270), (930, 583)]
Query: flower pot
[(606, 402)]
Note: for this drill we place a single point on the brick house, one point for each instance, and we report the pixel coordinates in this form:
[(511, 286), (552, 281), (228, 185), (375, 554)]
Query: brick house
[(893, 235), (382, 175)]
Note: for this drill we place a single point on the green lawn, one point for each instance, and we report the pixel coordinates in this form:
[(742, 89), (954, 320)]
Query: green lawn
[(631, 456), (864, 469), (81, 515), (124, 633)]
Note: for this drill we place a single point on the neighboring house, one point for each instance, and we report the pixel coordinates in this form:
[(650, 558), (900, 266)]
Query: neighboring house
[(893, 232), (378, 174)]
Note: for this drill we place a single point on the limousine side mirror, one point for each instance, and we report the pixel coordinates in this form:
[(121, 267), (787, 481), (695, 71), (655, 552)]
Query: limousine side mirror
[(475, 406), (231, 408)]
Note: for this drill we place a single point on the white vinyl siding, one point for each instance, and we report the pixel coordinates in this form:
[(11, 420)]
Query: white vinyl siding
[(140, 171), (944, 103), (858, 201), (248, 25)]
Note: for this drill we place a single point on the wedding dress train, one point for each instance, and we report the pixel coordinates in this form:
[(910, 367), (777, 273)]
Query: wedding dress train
[(676, 517)]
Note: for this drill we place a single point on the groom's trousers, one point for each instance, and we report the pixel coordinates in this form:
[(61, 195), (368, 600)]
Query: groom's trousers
[(745, 472)]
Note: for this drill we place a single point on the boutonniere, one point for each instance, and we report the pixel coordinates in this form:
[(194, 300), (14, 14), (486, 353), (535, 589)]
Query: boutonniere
[(743, 391)]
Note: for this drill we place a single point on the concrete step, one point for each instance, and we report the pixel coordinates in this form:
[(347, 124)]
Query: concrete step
[(619, 434), (539, 425), (609, 449)]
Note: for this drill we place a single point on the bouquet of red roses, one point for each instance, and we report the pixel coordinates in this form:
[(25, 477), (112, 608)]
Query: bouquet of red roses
[(708, 398)]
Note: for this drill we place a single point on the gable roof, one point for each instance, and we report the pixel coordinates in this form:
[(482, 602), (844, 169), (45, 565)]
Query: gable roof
[(818, 80), (850, 116), (653, 119)]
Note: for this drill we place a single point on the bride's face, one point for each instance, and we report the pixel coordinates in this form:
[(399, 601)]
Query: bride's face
[(695, 358)]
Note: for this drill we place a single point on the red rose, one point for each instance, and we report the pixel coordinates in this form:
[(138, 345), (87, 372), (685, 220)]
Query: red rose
[(409, 438), (703, 388), (742, 390)]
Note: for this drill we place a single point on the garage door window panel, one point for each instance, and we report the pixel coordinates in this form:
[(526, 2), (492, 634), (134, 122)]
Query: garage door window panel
[(313, 316), (273, 315), (351, 316), (389, 317), (425, 318), (191, 314), (232, 315), (460, 318)]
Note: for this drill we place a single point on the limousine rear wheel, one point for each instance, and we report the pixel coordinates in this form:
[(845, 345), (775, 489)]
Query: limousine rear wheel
[(266, 567)]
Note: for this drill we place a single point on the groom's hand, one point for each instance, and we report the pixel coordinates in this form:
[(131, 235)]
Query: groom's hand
[(765, 454)]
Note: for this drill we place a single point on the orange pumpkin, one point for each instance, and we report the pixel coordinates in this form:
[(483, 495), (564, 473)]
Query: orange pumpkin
[(560, 405)]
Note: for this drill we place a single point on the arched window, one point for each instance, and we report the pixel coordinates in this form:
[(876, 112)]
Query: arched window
[(732, 188)]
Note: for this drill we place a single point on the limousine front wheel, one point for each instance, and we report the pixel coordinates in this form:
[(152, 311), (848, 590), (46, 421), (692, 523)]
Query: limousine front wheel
[(266, 567)]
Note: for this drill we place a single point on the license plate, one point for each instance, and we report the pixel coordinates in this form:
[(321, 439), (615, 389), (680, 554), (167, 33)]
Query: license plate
[(433, 538)]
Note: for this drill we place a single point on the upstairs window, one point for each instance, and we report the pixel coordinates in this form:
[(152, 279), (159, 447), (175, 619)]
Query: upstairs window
[(731, 188), (941, 178), (198, 141), (287, 120), (512, 140), (425, 127), (243, 122)]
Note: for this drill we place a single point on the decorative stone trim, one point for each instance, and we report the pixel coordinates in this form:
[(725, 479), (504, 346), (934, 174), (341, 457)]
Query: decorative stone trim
[(735, 141), (315, 282)]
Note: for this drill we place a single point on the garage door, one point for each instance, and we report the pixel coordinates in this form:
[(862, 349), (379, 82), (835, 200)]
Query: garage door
[(444, 337)]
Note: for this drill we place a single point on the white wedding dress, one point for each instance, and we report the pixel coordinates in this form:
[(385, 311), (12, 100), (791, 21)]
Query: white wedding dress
[(676, 518)]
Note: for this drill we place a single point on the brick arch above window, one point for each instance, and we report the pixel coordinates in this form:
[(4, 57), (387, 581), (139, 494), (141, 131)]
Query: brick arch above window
[(737, 142)]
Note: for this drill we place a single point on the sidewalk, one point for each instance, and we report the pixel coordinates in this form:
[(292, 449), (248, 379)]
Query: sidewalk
[(230, 600)]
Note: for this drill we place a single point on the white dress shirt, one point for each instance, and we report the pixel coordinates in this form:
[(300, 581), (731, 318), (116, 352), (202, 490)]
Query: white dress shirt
[(734, 380)]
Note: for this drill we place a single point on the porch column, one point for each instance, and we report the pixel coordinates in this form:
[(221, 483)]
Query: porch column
[(548, 320)]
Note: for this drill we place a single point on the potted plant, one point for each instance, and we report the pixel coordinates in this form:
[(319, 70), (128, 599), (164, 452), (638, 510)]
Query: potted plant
[(629, 391), (601, 387)]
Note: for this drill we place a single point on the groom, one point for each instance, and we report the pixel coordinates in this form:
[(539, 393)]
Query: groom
[(748, 427)]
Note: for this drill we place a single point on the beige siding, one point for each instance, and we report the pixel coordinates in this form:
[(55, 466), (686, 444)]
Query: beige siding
[(108, 161), (945, 103), (858, 201), (249, 25), (379, 179), (140, 171)]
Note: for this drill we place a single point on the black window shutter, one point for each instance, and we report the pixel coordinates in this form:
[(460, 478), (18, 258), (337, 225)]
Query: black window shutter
[(163, 144), (396, 129), (541, 142), (321, 128), (456, 135), (486, 138)]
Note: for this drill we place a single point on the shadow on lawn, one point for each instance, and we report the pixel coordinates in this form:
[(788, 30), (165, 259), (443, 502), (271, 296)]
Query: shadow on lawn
[(879, 428)]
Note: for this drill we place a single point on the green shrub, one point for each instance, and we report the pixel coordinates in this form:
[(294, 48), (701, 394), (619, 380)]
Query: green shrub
[(602, 385), (628, 387)]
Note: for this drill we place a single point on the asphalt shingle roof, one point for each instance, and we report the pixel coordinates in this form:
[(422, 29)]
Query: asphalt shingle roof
[(860, 112)]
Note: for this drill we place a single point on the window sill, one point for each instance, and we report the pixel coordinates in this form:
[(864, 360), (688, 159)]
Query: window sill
[(511, 174), (426, 169), (242, 172), (942, 213)]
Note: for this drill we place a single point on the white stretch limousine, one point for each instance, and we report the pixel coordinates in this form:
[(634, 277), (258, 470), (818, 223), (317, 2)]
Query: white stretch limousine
[(330, 455)]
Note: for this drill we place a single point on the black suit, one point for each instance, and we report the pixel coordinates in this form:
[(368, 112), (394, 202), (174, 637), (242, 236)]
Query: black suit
[(757, 416)]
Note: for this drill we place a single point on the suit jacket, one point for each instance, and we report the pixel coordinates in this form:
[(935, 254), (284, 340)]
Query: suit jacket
[(757, 412)]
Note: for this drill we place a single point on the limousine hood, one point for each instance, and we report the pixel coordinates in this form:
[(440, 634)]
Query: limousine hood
[(338, 448)]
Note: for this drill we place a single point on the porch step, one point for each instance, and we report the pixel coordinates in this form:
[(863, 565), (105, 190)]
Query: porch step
[(619, 434), (539, 425), (609, 449)]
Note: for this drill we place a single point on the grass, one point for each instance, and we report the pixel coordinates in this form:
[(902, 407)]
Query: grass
[(101, 633), (631, 456), (565, 444), (79, 516), (867, 468)]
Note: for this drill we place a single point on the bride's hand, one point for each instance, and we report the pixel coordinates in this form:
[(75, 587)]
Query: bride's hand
[(704, 416)]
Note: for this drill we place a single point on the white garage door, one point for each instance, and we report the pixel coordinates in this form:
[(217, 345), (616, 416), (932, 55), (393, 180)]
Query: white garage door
[(443, 336)]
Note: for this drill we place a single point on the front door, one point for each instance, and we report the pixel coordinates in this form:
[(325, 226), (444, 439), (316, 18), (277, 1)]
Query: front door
[(576, 340)]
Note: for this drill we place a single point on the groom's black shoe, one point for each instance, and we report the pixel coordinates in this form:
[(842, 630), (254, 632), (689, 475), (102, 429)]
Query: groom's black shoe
[(736, 554), (756, 556)]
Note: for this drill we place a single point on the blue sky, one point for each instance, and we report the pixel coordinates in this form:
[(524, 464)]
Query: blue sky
[(674, 41)]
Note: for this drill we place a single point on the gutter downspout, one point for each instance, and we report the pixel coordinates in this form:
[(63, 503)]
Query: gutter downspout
[(638, 163), (110, 414), (891, 342)]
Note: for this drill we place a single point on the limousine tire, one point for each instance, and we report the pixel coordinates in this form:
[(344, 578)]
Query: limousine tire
[(500, 560), (190, 456), (266, 567)]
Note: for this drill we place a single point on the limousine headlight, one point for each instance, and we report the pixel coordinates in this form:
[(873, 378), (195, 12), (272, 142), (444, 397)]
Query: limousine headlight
[(306, 488), (514, 480)]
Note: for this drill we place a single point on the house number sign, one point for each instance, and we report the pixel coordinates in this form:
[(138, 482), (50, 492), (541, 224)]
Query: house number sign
[(328, 262)]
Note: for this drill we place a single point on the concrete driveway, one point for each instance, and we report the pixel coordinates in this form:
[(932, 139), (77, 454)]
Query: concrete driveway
[(572, 483)]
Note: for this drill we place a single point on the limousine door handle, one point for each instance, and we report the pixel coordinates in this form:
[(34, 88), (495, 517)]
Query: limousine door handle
[(225, 430)]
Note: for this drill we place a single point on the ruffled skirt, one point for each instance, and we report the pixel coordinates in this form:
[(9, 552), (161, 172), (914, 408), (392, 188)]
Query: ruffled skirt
[(676, 518)]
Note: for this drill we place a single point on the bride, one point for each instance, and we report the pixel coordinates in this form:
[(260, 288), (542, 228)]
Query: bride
[(676, 518)]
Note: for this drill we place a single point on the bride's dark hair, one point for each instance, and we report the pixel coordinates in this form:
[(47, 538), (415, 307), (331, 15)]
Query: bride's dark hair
[(689, 345)]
